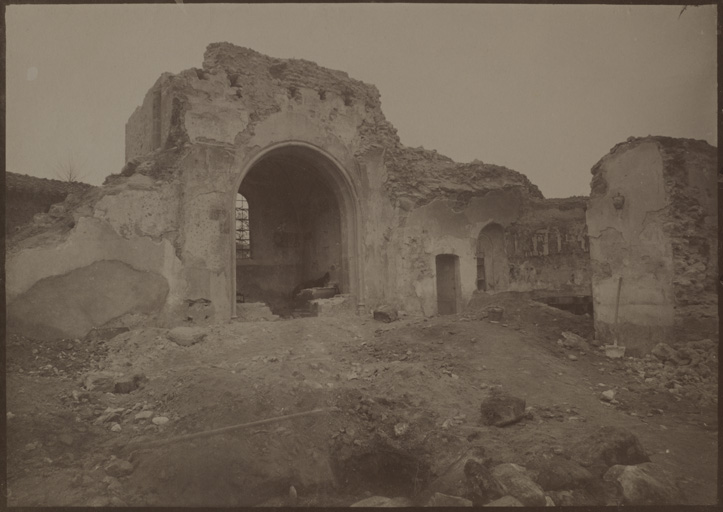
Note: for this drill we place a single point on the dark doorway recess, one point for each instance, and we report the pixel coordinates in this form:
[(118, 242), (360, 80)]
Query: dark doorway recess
[(447, 284), (295, 228)]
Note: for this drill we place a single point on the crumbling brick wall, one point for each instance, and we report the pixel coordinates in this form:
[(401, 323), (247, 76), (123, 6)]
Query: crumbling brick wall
[(27, 196), (547, 247), (689, 170)]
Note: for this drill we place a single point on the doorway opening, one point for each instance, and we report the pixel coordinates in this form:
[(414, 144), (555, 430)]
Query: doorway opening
[(481, 276), (448, 284), (299, 224)]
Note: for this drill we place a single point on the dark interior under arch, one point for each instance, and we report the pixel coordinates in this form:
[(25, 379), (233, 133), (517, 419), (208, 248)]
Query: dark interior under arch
[(295, 226)]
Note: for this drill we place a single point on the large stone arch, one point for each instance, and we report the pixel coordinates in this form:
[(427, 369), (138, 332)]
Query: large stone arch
[(342, 185)]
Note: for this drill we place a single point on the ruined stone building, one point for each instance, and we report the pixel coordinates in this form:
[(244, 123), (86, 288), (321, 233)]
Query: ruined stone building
[(653, 221), (326, 186), (251, 174)]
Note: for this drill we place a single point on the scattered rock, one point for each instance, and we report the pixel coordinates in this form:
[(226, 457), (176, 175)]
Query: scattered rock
[(572, 340), (607, 447), (143, 415), (688, 356), (495, 313), (445, 500), (400, 429), (66, 439), (128, 384), (607, 396), (101, 381), (591, 496), (113, 484), (115, 427), (515, 481), (336, 306), (501, 409), (381, 501), (665, 352), (160, 420), (454, 480), (562, 498), (80, 396), (644, 484), (119, 468), (505, 501), (254, 312), (186, 336), (385, 314), (483, 486), (560, 473), (572, 357), (103, 334), (98, 501), (109, 415)]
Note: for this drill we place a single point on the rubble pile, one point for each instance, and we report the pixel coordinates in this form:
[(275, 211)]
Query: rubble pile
[(418, 176), (411, 417), (689, 370), (29, 197)]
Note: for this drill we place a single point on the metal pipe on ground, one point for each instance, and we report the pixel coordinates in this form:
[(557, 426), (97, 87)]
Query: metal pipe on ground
[(222, 430)]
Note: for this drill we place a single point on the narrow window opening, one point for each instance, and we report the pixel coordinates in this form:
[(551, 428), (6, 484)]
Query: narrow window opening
[(481, 284), (243, 231)]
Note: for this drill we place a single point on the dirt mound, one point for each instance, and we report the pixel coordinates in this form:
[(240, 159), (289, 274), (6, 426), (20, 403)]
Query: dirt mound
[(401, 414)]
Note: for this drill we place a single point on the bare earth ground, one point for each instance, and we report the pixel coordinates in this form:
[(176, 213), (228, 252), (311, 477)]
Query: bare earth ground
[(404, 403)]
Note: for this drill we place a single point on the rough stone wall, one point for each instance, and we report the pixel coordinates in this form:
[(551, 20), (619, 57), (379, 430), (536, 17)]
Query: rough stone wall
[(691, 223), (660, 239), (169, 213), (547, 247), (27, 196)]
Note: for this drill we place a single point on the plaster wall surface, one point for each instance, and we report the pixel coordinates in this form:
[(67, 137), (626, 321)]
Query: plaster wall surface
[(634, 241), (90, 241), (492, 263), (86, 297), (440, 227)]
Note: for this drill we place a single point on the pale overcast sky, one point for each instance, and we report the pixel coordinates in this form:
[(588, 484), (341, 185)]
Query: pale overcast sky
[(546, 90)]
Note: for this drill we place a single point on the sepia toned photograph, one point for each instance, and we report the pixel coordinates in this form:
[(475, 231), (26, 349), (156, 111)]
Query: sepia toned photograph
[(361, 255)]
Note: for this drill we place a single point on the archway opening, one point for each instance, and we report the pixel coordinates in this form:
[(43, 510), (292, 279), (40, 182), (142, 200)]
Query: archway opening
[(492, 265), (299, 217)]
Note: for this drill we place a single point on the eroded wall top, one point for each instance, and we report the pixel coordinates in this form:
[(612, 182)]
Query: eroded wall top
[(238, 88)]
